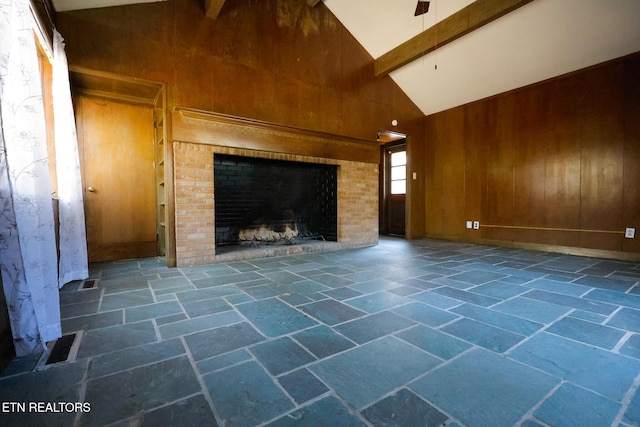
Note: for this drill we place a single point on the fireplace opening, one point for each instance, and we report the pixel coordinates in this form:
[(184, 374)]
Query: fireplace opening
[(273, 202)]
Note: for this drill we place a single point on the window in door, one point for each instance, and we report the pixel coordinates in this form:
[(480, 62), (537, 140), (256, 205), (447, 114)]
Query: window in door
[(398, 172)]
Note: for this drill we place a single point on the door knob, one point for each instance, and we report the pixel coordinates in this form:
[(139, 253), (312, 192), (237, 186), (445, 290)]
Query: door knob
[(91, 190)]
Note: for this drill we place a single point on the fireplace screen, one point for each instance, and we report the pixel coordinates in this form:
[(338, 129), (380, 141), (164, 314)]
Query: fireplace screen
[(264, 201)]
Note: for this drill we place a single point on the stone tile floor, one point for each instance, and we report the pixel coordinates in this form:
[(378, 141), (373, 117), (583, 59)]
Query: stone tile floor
[(420, 333)]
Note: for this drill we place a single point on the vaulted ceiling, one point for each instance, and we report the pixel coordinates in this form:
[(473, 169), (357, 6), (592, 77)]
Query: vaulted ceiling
[(537, 40)]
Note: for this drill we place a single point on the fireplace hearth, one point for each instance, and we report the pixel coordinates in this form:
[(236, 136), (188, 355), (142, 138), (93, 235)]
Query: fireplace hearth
[(265, 202)]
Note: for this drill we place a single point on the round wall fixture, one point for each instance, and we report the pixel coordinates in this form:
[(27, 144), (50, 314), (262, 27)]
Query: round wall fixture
[(394, 122)]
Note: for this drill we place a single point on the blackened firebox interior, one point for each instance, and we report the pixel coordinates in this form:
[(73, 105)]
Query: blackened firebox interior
[(265, 201)]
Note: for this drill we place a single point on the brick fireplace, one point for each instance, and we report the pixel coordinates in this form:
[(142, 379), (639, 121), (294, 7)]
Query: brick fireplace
[(200, 137)]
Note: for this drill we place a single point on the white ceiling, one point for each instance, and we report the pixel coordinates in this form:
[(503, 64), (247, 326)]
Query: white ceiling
[(541, 40), (64, 5)]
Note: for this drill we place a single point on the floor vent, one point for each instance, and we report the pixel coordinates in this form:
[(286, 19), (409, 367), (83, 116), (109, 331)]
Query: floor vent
[(64, 349), (60, 351), (88, 284)]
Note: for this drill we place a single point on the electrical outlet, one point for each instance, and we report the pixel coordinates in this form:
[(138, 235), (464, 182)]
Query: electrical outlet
[(469, 224), (630, 233), (476, 225)]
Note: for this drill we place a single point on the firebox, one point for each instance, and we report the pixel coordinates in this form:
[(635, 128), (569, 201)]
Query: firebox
[(269, 202)]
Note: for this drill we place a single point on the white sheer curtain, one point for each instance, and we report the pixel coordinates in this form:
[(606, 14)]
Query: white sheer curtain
[(73, 242), (27, 237)]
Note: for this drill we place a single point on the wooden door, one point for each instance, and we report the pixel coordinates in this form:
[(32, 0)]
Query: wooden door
[(117, 151), (395, 186)]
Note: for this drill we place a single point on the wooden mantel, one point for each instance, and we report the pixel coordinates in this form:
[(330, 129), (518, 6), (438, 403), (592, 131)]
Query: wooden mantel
[(203, 127)]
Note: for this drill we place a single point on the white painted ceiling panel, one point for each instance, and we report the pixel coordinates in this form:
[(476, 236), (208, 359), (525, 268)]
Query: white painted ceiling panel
[(64, 5), (541, 40)]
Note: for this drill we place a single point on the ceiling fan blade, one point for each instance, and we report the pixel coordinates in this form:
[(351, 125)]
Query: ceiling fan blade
[(421, 8)]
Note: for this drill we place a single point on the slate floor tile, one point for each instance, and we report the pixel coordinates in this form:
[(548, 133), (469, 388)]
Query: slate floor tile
[(207, 306), (281, 355), (114, 338), (274, 318), (632, 414), (571, 406), (332, 312), (79, 309), (587, 332), (305, 287), (500, 290), (322, 341), (342, 293), (364, 374), (434, 299), (194, 411), (404, 290), (425, 314), (477, 277), (498, 319), (374, 286), (373, 326), (295, 299), (325, 412), (489, 337), (599, 370), (283, 277), (92, 321), (170, 283), (139, 389), (188, 326), (126, 299), (403, 408), (332, 281), (302, 385), (632, 347), (570, 301), (372, 303), (470, 297), (62, 384), (532, 309), (559, 287), (616, 298), (245, 395), (110, 363), (151, 311), (221, 340), (225, 360), (207, 293), (618, 285), (577, 340), (435, 342), (82, 296), (497, 385)]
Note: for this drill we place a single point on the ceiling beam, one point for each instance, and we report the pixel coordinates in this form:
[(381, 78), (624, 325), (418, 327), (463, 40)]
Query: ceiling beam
[(313, 2), (212, 8), (466, 20)]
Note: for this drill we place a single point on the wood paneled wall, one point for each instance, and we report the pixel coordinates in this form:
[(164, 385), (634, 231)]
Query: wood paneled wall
[(555, 164), (279, 61)]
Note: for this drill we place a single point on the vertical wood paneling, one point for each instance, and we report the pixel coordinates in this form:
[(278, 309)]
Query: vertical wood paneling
[(529, 166), (562, 159), (602, 135), (445, 174), (500, 192), (556, 163), (631, 152), (277, 61), (479, 124)]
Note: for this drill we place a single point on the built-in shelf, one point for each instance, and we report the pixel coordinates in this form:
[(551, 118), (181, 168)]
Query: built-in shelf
[(161, 196)]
